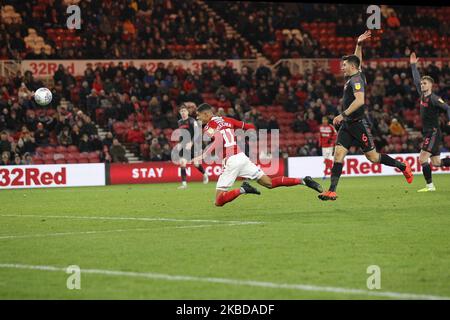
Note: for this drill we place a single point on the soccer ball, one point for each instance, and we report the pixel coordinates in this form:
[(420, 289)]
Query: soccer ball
[(43, 96)]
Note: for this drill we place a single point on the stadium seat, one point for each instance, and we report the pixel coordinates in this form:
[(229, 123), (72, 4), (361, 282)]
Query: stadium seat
[(72, 148)]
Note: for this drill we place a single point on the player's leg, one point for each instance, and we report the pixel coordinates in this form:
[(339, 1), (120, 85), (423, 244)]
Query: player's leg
[(344, 141), (250, 171), (200, 168), (431, 149), (183, 163), (375, 157), (339, 154), (327, 154), (231, 170), (283, 181), (362, 133), (424, 158), (198, 165)]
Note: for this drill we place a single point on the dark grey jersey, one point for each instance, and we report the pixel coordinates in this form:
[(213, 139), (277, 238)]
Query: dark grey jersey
[(356, 83), (430, 105)]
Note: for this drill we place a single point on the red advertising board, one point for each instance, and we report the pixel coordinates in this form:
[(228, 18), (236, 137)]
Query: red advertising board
[(156, 172)]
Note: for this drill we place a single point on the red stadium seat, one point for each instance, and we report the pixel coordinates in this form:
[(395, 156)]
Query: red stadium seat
[(84, 155), (47, 156), (49, 161), (60, 149), (60, 161), (72, 148), (83, 160)]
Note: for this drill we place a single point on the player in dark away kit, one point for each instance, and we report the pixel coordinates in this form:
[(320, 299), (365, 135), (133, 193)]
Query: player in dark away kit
[(430, 107), (187, 148), (354, 129)]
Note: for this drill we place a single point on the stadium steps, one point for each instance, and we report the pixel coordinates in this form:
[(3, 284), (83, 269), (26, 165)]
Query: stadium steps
[(229, 29), (132, 157)]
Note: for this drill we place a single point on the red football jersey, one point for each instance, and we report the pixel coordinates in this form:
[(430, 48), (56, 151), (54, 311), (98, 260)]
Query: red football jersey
[(222, 130), (327, 135)]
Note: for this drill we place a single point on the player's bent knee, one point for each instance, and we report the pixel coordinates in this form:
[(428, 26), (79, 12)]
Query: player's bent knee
[(373, 157), (436, 163), (265, 181)]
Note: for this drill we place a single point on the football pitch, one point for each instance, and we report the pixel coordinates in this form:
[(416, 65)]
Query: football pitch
[(157, 242)]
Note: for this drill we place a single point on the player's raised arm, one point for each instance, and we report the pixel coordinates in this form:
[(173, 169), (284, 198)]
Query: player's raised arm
[(358, 49), (415, 72)]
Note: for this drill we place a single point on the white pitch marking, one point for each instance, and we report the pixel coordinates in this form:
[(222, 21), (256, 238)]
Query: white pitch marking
[(236, 282), (58, 234), (128, 218)]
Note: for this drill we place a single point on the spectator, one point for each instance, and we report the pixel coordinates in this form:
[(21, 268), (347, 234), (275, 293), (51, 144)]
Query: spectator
[(5, 159), (41, 134), (108, 140), (64, 138), (117, 152), (156, 152), (17, 160), (273, 123), (300, 125), (135, 135), (75, 135), (85, 145), (5, 145), (396, 128)]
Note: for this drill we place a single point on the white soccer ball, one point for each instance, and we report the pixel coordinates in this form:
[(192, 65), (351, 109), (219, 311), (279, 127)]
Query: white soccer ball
[(43, 96)]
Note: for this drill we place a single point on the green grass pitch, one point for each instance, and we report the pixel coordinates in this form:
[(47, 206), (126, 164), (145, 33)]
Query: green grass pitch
[(298, 241)]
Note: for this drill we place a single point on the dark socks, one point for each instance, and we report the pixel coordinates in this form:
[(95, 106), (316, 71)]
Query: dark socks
[(183, 174), (200, 168), (391, 162), (426, 170), (336, 172)]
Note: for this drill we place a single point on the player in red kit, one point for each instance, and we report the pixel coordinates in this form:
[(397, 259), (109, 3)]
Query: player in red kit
[(327, 141), (235, 162)]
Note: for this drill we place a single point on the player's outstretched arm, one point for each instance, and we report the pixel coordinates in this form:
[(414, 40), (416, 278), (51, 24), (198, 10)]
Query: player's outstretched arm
[(438, 101), (415, 72), (240, 124), (358, 49)]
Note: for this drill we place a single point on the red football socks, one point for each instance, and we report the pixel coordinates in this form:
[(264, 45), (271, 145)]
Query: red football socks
[(227, 197), (328, 166), (285, 181)]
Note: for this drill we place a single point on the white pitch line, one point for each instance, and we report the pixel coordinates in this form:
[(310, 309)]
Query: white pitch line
[(59, 234), (235, 282), (128, 218)]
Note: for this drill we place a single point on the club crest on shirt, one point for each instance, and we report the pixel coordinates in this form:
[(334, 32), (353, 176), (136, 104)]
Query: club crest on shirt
[(357, 86)]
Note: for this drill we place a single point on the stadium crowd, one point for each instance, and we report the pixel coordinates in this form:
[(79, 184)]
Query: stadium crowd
[(138, 29), (147, 102), (167, 29), (138, 108)]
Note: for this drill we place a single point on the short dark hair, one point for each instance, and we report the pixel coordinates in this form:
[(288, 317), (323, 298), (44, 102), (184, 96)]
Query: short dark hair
[(428, 78), (183, 106), (353, 59), (204, 107)]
